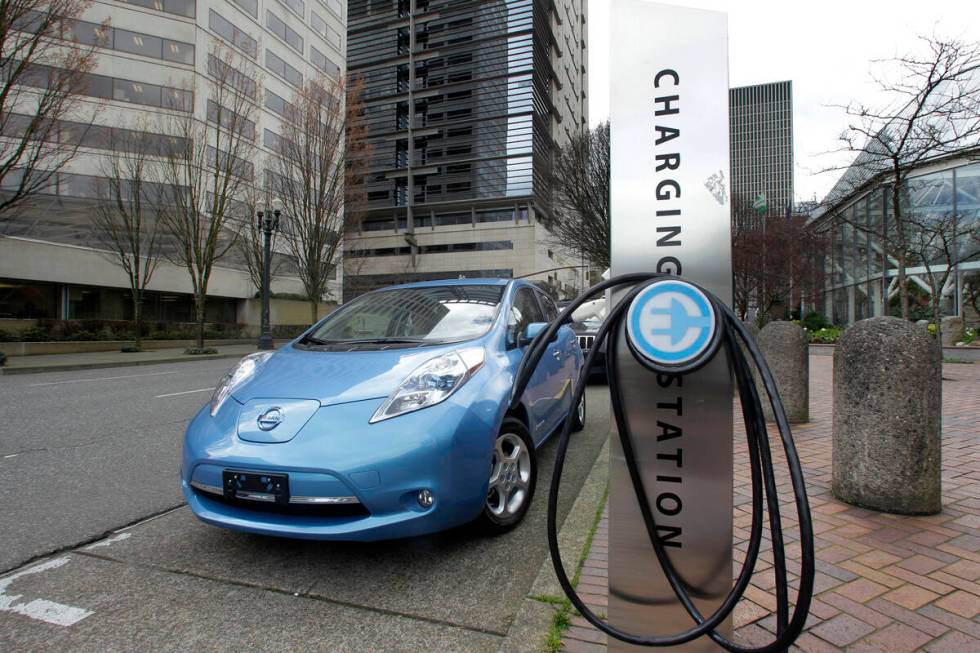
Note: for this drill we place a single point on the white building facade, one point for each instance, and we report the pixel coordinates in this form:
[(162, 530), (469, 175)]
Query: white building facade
[(153, 60)]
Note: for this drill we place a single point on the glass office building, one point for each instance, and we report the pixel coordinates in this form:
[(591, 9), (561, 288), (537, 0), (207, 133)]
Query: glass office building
[(862, 274), (761, 135), (464, 103)]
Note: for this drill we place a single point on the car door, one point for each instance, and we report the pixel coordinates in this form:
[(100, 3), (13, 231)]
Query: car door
[(525, 310), (562, 352)]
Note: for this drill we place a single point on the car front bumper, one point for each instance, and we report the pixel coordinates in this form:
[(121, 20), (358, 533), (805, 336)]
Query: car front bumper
[(356, 481)]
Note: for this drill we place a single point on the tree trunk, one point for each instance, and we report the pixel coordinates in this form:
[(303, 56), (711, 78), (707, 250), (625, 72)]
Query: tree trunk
[(138, 320), (199, 305), (313, 313), (903, 288)]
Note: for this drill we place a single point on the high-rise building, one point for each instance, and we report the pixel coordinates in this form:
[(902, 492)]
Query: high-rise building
[(465, 102), (761, 120), (155, 58)]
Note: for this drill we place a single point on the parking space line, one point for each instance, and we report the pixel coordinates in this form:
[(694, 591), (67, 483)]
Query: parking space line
[(40, 609), (100, 378), (185, 392)]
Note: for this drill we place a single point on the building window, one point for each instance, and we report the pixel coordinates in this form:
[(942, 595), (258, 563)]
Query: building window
[(110, 88), (330, 34), (283, 31), (251, 7), (225, 29), (297, 6), (222, 72), (322, 62), (283, 69), (334, 6), (279, 106), (121, 40), (184, 8), (148, 46), (229, 119)]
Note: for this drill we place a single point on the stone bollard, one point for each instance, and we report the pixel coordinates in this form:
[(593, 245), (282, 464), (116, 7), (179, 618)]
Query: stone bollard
[(787, 353), (888, 417), (953, 330)]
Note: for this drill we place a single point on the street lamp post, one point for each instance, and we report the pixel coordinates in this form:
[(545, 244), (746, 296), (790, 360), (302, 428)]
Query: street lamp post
[(268, 222)]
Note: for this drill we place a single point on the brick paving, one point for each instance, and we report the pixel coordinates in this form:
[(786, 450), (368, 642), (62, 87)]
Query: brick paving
[(885, 583)]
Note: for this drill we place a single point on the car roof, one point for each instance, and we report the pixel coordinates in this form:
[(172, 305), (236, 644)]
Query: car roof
[(453, 282)]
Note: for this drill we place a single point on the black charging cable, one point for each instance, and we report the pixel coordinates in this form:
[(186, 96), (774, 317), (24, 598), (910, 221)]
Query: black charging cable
[(732, 333)]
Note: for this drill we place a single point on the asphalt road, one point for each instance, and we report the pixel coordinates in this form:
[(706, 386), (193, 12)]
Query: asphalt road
[(85, 452), (93, 451)]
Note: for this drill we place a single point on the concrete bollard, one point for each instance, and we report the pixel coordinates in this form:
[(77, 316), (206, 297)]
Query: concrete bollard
[(953, 330), (888, 417), (787, 353)]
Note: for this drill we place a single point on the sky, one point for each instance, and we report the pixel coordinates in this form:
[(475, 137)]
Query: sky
[(825, 47)]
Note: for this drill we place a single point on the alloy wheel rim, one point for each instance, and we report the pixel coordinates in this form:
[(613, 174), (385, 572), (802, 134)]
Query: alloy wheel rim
[(581, 410), (510, 476)]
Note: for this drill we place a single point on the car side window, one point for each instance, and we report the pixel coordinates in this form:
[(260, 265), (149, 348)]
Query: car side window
[(525, 310), (550, 310)]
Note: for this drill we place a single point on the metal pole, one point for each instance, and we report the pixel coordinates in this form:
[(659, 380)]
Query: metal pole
[(265, 224)]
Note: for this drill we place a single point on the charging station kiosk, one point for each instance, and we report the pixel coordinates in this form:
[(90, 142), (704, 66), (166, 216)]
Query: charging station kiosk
[(669, 193), (674, 348)]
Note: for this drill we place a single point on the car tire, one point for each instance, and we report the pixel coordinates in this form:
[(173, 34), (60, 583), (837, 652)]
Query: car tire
[(513, 476), (579, 417)]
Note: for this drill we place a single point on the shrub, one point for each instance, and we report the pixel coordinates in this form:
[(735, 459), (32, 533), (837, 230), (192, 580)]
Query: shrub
[(34, 334), (814, 321), (826, 335), (6, 336)]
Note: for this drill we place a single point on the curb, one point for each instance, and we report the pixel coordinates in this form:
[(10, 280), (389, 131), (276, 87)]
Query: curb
[(531, 626), (67, 367)]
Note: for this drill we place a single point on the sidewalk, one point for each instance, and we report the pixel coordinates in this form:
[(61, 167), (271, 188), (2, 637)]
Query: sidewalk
[(885, 583), (96, 360)]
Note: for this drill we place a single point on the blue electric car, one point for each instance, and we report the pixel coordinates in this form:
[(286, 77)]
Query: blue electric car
[(389, 418)]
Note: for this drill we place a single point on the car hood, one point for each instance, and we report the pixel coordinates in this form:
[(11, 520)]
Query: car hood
[(332, 377)]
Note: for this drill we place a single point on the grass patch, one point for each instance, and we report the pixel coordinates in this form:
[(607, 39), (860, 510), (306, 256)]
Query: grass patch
[(563, 615)]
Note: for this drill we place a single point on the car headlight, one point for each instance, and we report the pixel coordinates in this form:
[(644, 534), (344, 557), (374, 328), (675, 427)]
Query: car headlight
[(238, 375), (432, 382)]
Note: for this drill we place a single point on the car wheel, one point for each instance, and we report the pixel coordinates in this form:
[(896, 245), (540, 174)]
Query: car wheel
[(513, 474), (578, 419)]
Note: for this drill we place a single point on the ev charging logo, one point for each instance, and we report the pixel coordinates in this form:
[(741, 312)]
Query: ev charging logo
[(671, 324)]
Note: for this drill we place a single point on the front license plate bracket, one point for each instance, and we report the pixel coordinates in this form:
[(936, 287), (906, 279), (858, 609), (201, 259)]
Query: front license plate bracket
[(255, 486)]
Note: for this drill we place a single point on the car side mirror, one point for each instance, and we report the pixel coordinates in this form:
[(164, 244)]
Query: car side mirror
[(530, 332)]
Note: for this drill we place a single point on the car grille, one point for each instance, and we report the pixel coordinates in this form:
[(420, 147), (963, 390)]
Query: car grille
[(585, 342), (308, 509)]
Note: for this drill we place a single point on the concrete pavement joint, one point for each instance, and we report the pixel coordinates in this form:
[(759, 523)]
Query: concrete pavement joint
[(70, 548), (282, 592)]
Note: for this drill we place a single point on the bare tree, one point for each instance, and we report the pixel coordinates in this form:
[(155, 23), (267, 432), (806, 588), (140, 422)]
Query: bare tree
[(206, 179), (317, 166), (125, 219), (774, 260), (250, 237), (579, 224), (938, 243), (40, 79), (935, 110)]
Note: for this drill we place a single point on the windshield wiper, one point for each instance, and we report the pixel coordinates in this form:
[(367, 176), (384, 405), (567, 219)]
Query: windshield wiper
[(310, 340), (387, 341)]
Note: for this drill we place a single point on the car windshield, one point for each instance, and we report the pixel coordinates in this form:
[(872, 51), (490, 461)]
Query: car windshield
[(428, 314)]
